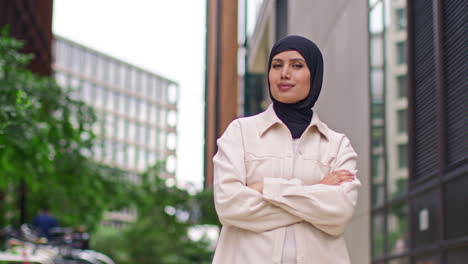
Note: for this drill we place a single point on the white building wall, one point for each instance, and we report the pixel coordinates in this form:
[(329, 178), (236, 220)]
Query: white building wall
[(340, 29)]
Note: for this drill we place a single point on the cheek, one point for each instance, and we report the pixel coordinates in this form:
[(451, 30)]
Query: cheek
[(305, 84)]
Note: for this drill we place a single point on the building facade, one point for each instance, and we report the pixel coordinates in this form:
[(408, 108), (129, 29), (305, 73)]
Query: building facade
[(395, 84), (221, 78), (136, 109)]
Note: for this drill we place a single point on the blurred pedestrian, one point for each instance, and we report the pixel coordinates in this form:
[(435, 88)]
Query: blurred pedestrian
[(285, 184), (44, 221)]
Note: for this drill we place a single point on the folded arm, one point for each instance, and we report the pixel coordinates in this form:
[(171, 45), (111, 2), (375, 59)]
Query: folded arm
[(328, 207), (235, 203)]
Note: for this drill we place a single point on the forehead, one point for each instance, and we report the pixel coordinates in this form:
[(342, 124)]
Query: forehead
[(288, 55)]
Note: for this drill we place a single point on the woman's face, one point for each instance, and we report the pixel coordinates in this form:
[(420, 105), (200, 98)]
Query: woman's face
[(289, 77)]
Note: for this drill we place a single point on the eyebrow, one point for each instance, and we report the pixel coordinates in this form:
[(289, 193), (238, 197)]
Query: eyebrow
[(293, 59)]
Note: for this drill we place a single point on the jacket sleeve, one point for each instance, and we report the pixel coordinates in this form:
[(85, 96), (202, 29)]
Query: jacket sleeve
[(327, 207), (236, 204)]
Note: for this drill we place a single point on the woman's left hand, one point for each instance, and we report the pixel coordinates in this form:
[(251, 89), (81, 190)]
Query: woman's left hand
[(258, 186)]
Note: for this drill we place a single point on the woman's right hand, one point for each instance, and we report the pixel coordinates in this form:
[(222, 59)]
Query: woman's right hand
[(338, 177)]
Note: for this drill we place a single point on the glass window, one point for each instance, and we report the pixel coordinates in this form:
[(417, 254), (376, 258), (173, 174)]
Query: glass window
[(132, 132), (377, 137), (120, 154), (121, 128), (378, 235), (113, 72), (162, 117), (149, 86), (401, 52), (152, 138), (131, 156), (161, 141), (160, 91), (137, 82), (376, 19), (171, 141), (121, 107), (142, 110), (377, 85), (402, 86), (141, 159), (109, 124), (398, 229), (172, 93), (171, 164), (87, 92), (376, 50), (61, 79), (401, 19), (402, 121), (403, 156), (171, 118), (99, 97), (143, 83), (109, 97), (131, 107), (123, 75)]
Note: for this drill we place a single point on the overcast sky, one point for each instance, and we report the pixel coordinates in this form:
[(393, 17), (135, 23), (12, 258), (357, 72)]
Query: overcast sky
[(166, 37)]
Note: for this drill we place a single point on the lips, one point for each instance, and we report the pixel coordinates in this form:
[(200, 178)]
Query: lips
[(285, 86)]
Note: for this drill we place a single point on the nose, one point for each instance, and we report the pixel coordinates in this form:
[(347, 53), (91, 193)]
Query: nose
[(285, 73)]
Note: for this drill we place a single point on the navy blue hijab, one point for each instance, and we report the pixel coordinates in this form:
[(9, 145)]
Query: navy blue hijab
[(297, 116)]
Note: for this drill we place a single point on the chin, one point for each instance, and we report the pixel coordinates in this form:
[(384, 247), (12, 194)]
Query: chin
[(288, 100)]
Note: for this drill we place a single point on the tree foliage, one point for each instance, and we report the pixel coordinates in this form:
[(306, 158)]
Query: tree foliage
[(46, 143), (160, 233)]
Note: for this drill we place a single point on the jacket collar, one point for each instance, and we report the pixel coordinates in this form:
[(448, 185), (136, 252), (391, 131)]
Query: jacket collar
[(269, 118)]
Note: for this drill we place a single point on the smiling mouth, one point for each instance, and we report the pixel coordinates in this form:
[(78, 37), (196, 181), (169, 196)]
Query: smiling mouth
[(285, 87)]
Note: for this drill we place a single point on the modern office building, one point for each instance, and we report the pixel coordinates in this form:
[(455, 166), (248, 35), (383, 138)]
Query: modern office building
[(395, 84), (136, 109)]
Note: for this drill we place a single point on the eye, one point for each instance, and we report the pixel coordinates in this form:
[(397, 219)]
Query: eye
[(276, 65), (298, 65)]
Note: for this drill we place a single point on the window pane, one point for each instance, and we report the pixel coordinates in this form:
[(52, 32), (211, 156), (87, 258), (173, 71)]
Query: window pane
[(401, 19), (376, 50), (376, 19), (398, 229), (401, 51), (377, 235), (402, 121), (378, 180), (172, 93), (403, 156), (402, 86)]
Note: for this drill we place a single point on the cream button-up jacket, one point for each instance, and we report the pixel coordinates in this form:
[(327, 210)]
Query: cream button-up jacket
[(259, 148)]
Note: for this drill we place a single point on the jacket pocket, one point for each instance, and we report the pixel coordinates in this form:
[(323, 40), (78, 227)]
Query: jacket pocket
[(258, 167), (313, 170)]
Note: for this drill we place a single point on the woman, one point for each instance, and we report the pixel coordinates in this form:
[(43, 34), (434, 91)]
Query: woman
[(284, 182)]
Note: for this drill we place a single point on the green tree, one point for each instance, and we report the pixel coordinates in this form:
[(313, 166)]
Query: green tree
[(160, 233), (46, 143)]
